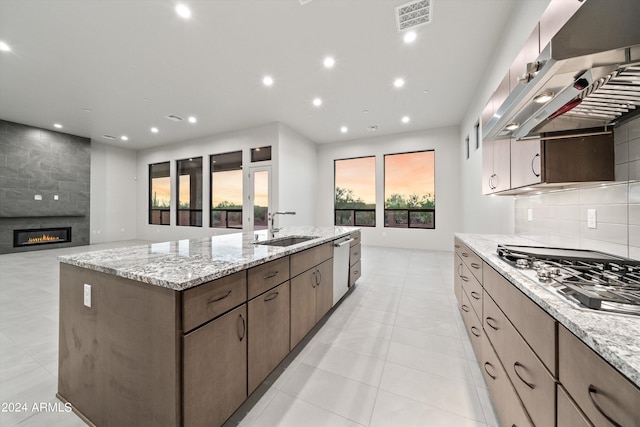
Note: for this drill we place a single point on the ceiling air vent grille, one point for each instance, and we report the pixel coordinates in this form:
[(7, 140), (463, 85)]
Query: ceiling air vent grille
[(413, 14)]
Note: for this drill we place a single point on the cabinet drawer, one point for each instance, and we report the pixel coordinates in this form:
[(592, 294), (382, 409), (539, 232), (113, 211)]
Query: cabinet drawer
[(263, 277), (356, 238), (354, 273), (536, 327), (530, 378), (470, 259), (569, 415), (457, 280), (302, 261), (506, 401), (268, 328), (599, 389), (202, 303), (473, 289), (472, 325), (354, 254)]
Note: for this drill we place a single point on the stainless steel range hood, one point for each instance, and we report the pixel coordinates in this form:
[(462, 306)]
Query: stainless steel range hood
[(591, 68)]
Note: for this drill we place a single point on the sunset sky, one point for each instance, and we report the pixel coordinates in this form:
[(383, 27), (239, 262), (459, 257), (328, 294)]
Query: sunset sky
[(358, 175), (162, 189), (410, 173), (227, 186)]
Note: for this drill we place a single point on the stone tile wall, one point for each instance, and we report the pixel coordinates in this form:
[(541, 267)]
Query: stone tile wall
[(53, 165)]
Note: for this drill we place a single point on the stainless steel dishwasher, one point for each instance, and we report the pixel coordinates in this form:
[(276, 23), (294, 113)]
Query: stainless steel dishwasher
[(341, 267)]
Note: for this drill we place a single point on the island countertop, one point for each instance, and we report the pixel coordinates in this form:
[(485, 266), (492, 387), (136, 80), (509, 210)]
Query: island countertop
[(183, 264), (616, 338)]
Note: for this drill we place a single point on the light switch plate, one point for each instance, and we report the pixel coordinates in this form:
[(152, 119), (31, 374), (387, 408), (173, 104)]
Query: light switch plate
[(87, 295), (591, 219)]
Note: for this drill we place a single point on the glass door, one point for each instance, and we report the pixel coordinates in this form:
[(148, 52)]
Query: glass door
[(260, 197)]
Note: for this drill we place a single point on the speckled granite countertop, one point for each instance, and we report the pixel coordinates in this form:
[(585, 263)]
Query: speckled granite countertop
[(183, 264), (614, 337)]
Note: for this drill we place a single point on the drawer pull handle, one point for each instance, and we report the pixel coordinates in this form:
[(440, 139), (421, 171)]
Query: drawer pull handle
[(464, 278), (492, 323), (475, 295), (465, 308), (356, 253), (210, 300), (593, 390), (242, 332), (270, 275), (520, 365), (456, 246), (493, 377), (475, 265), (356, 272), (460, 268), (473, 331), (271, 296), (464, 254)]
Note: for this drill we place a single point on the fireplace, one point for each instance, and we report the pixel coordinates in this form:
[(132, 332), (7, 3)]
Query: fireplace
[(41, 236)]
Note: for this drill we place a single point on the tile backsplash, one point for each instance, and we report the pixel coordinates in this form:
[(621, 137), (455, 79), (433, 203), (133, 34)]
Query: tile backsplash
[(560, 218)]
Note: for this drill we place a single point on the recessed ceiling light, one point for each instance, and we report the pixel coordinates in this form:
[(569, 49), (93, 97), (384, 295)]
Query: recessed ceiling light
[(86, 110), (183, 11), (5, 47), (399, 82), (57, 125), (344, 129), (317, 102), (192, 119), (267, 81), (329, 62), (372, 128), (124, 138), (512, 126), (405, 119), (410, 37), (365, 111), (154, 129)]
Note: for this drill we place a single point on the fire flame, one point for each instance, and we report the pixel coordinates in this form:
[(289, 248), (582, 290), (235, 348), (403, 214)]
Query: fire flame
[(43, 238)]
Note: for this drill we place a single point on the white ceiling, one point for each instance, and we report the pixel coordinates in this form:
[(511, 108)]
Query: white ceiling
[(134, 62)]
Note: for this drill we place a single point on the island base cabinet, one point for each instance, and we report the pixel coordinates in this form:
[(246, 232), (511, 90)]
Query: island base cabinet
[(269, 323), (311, 299), (215, 369), (569, 415)]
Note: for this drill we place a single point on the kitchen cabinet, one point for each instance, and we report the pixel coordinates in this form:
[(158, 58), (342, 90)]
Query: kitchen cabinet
[(599, 390), (268, 325), (215, 355), (354, 259), (569, 415), (311, 299), (496, 166), (457, 278), (266, 276), (472, 324), (526, 164)]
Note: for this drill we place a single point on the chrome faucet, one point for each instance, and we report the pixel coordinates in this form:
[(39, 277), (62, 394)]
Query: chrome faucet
[(273, 217)]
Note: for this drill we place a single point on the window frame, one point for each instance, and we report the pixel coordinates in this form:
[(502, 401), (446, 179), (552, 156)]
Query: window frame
[(150, 199), (193, 212), (354, 215), (409, 211), (226, 211)]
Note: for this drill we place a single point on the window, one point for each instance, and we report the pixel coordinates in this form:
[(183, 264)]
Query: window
[(159, 193), (409, 190), (260, 154), (189, 191), (355, 192), (226, 190)]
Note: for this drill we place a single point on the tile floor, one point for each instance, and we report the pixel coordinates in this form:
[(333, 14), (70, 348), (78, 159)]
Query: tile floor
[(394, 352)]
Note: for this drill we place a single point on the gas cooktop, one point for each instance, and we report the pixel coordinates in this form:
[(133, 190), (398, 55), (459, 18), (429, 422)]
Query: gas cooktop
[(590, 279)]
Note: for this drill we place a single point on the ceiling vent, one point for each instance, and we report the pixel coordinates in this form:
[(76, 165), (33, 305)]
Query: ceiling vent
[(414, 14), (174, 118), (105, 136)]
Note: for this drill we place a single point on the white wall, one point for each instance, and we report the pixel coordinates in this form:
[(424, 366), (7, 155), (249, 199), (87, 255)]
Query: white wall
[(297, 179), (492, 214), (447, 180), (215, 144), (113, 193)]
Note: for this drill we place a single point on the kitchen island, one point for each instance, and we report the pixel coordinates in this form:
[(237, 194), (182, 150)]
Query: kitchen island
[(180, 333), (553, 362)]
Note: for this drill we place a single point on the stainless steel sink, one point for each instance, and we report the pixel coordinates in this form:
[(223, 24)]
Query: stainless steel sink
[(286, 241)]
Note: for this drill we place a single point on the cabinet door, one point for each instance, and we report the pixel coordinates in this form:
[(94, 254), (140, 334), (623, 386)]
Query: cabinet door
[(569, 415), (487, 167), (525, 163), (324, 288), (501, 164), (303, 305), (457, 279), (268, 333), (215, 369)]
